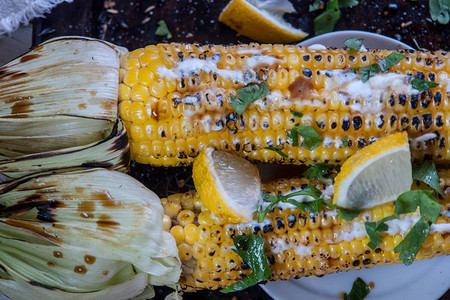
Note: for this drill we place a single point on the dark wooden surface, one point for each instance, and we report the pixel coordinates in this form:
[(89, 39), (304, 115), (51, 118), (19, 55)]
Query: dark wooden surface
[(128, 24)]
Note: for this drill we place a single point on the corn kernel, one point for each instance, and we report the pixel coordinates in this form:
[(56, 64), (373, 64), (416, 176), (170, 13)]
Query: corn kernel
[(124, 92), (185, 252), (131, 77), (178, 233), (172, 209), (158, 88), (185, 217)]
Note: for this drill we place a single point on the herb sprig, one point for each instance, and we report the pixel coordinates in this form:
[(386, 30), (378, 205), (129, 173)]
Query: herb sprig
[(353, 43), (423, 85), (359, 290), (163, 30), (248, 95), (317, 171), (381, 66)]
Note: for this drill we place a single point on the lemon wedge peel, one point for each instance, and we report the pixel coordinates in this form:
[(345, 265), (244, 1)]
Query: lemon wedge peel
[(387, 162), (259, 24), (235, 203)]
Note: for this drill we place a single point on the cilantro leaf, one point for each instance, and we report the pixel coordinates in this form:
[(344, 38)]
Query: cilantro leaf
[(311, 139), (374, 228), (390, 60), (348, 3), (423, 85), (345, 214), (345, 141), (247, 95), (408, 202), (250, 248), (309, 206), (326, 21), (413, 241), (277, 150), (296, 114), (353, 43), (426, 173), (310, 190), (440, 11), (163, 30), (317, 171), (368, 71), (293, 135), (359, 290)]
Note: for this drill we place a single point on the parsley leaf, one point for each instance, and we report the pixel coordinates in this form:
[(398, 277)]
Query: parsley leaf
[(408, 202), (277, 150), (390, 60), (345, 141), (317, 171), (359, 290), (426, 173), (250, 248), (423, 85), (373, 228), (440, 11), (296, 114), (163, 30), (353, 43), (347, 3), (413, 241), (311, 139), (326, 21), (247, 95), (368, 71), (345, 214)]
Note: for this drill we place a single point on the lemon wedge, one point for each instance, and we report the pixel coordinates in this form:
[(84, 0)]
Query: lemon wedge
[(228, 185), (262, 20), (376, 174)]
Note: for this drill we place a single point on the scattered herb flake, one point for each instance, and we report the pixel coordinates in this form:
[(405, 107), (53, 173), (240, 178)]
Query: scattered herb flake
[(163, 30), (250, 248), (353, 43), (390, 60), (368, 71), (423, 85), (293, 135), (426, 173), (382, 65), (277, 150), (311, 139), (374, 228), (413, 241), (345, 141), (247, 95), (359, 290), (326, 21), (296, 114), (317, 171)]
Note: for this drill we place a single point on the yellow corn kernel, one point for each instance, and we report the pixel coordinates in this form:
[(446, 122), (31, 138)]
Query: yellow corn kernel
[(132, 63), (145, 76), (131, 77), (199, 250), (204, 218), (138, 115), (191, 233), (158, 88), (124, 92), (172, 209), (185, 251), (204, 234), (205, 265), (178, 233), (185, 217), (217, 234), (125, 110), (212, 249), (147, 57)]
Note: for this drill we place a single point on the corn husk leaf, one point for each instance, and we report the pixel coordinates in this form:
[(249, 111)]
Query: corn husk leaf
[(105, 226), (61, 94), (111, 152)]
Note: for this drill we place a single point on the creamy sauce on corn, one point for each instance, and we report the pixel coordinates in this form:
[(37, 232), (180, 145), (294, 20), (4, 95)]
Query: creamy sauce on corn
[(317, 47), (420, 141)]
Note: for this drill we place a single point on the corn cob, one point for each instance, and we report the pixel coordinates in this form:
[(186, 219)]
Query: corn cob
[(297, 244), (175, 101)]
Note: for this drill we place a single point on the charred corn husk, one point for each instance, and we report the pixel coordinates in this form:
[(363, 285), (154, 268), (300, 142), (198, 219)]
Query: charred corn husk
[(297, 244), (175, 100), (61, 94)]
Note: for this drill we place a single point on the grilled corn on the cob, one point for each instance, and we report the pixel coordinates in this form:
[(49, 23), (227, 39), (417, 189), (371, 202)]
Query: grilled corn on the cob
[(296, 243), (175, 100)]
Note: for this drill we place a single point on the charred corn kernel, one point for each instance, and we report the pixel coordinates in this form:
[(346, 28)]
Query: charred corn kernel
[(191, 233), (172, 209), (296, 243), (294, 75), (178, 233), (185, 217), (166, 223), (185, 252)]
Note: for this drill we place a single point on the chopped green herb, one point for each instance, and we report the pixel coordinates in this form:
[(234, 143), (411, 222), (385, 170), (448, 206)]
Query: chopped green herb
[(423, 85), (413, 241), (247, 95), (317, 171), (359, 290), (316, 5), (374, 228), (347, 3), (368, 71), (296, 114), (345, 214), (326, 21), (163, 30), (440, 11), (390, 60), (277, 150), (250, 248), (353, 43), (426, 173), (311, 139), (345, 141), (408, 202)]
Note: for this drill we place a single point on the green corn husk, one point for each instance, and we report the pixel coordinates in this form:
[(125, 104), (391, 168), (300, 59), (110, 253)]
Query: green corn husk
[(61, 94), (112, 152), (92, 234)]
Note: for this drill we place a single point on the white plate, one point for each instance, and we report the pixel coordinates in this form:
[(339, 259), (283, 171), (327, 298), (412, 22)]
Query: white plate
[(427, 279)]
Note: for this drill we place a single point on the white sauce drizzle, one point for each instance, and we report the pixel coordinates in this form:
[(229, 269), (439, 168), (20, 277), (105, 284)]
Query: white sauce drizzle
[(317, 47), (419, 142)]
